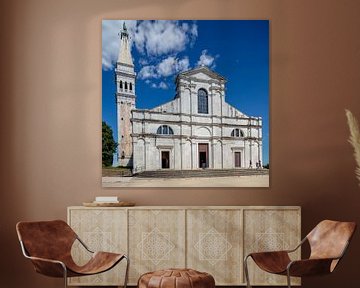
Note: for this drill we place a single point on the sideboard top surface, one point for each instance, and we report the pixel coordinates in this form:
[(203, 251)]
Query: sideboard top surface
[(193, 207)]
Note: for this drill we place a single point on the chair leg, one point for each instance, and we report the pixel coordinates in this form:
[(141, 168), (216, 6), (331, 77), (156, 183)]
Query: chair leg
[(127, 271), (288, 278), (65, 276), (246, 270)]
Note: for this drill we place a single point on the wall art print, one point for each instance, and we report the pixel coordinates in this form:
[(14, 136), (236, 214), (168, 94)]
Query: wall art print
[(185, 103)]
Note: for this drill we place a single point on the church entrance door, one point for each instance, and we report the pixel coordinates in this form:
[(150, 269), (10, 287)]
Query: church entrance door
[(237, 159), (165, 159), (203, 155)]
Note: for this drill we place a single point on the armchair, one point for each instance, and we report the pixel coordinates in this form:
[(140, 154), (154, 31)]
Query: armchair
[(48, 245), (328, 242)]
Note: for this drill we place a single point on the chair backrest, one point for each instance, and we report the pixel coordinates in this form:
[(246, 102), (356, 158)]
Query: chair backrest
[(329, 239), (46, 239)]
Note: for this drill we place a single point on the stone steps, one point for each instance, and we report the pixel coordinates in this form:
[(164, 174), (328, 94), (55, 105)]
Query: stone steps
[(201, 173), (114, 172)]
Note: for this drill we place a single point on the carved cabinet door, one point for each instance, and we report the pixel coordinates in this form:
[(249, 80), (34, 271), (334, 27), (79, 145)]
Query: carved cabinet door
[(156, 240), (214, 244), (101, 230), (270, 230)]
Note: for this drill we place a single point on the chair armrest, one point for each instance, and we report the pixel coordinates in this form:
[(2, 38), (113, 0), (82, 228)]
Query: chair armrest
[(280, 251), (268, 253), (45, 260), (84, 245), (48, 267), (309, 267), (298, 246), (38, 259)]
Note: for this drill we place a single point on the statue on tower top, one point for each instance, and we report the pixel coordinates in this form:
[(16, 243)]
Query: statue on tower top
[(124, 31)]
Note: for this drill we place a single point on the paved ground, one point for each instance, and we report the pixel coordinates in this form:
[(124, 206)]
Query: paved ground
[(234, 181)]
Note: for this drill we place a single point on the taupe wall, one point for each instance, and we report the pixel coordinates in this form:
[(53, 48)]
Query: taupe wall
[(50, 114)]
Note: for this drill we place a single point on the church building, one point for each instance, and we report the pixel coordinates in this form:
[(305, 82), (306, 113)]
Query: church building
[(196, 130)]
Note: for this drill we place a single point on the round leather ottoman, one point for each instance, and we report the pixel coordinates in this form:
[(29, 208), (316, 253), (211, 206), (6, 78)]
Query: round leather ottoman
[(176, 278)]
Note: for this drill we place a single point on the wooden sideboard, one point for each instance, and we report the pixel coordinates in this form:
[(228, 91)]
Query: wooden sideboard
[(212, 239)]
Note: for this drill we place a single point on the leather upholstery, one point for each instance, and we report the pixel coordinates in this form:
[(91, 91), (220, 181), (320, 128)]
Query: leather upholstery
[(53, 240), (272, 262), (176, 278), (328, 241)]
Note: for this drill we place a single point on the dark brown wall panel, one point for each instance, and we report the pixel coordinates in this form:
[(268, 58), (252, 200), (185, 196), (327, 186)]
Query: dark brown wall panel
[(50, 115)]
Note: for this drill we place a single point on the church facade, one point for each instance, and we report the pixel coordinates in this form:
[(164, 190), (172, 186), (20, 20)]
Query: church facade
[(197, 129)]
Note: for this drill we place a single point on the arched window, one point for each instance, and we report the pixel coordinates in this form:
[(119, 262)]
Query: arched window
[(125, 85), (130, 86), (237, 133), (121, 85), (165, 130), (203, 102)]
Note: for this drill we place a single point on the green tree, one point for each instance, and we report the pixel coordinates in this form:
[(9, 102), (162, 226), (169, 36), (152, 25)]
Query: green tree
[(108, 145)]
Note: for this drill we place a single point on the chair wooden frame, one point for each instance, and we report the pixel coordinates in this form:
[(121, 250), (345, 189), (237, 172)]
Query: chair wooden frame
[(65, 271), (315, 265)]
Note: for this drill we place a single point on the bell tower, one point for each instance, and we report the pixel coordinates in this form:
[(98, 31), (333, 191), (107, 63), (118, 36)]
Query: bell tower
[(125, 98)]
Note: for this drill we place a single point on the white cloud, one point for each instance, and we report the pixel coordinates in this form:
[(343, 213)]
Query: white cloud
[(159, 37), (206, 59), (192, 30), (143, 61), (183, 64), (161, 85), (167, 67), (172, 65), (150, 38), (147, 72)]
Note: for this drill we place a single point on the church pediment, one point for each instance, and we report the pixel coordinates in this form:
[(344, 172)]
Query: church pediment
[(203, 73), (202, 76)]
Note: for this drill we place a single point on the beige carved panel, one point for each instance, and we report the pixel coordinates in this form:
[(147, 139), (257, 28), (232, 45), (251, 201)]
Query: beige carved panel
[(214, 241), (269, 230), (101, 230), (156, 240)]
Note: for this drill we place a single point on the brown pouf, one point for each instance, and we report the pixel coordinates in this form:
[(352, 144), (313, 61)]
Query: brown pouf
[(176, 278)]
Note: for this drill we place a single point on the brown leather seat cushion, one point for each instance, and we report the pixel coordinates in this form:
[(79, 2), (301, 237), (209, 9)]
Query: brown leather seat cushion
[(176, 278)]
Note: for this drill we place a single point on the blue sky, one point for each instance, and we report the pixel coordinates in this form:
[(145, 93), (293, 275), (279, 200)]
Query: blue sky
[(236, 49)]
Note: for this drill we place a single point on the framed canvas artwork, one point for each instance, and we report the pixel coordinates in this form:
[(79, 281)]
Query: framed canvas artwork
[(185, 103)]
